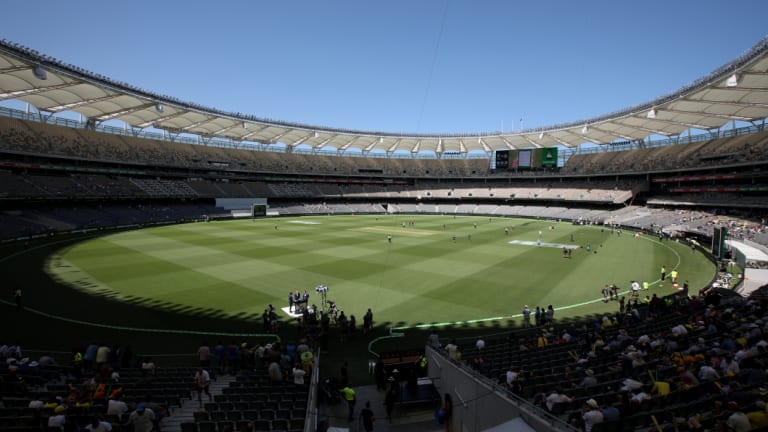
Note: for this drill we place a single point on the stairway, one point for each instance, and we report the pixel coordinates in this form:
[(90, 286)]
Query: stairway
[(185, 413)]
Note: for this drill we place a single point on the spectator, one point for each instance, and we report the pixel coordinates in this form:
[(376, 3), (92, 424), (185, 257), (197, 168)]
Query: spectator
[(116, 406), (148, 366), (556, 397), (589, 379), (298, 374), (592, 415), (98, 425), (59, 418), (202, 381), (204, 355), (142, 419)]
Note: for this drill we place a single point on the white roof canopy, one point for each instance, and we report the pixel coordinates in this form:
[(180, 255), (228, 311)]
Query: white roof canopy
[(736, 91)]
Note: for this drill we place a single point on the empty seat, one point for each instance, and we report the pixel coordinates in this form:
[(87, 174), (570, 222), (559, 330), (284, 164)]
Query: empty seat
[(186, 427), (226, 426), (201, 416), (206, 426), (218, 415)]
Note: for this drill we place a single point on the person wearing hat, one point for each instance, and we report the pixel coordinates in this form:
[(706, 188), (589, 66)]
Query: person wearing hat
[(591, 414), (142, 419), (589, 379), (59, 418)]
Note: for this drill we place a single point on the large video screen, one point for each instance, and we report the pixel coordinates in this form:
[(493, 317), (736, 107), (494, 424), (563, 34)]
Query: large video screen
[(524, 159), (549, 157), (502, 159)]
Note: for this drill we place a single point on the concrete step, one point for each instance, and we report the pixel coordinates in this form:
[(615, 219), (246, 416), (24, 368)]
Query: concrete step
[(186, 413)]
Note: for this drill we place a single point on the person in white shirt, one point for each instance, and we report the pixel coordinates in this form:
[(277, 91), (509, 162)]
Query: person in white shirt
[(452, 349), (708, 373), (116, 406), (98, 425), (298, 374), (143, 419), (555, 397), (202, 381), (592, 415), (480, 344), (58, 419)]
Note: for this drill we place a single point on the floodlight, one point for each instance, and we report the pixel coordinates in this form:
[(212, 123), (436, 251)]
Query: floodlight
[(159, 107), (651, 114), (40, 73)]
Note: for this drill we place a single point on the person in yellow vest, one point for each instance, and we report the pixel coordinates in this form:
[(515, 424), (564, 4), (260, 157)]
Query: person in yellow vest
[(349, 395), (542, 340), (646, 285), (663, 272), (673, 273)]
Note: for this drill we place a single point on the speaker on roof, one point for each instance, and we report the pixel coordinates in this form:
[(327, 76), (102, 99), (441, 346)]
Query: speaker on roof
[(40, 73)]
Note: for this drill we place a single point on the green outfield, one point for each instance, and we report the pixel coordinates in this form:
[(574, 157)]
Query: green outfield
[(237, 268)]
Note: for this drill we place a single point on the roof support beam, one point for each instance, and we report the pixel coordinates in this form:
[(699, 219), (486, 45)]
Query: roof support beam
[(415, 149), (677, 123), (393, 147), (194, 125), (486, 147), (562, 142), (301, 140), (115, 114), (614, 134), (325, 142), (715, 102), (156, 122), (15, 69), (653, 131), (509, 145), (32, 91), (349, 143), (534, 144), (250, 134), (372, 144), (462, 147), (723, 116), (73, 105), (278, 136)]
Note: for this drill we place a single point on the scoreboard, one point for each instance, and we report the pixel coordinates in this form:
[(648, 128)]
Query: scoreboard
[(526, 159), (502, 159)]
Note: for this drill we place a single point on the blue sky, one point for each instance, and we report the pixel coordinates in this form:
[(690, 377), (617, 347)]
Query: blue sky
[(426, 66)]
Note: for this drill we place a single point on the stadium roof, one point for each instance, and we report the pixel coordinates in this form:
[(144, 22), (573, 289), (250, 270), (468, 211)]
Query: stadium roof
[(736, 91)]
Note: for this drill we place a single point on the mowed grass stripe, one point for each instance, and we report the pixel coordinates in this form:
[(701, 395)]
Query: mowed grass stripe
[(240, 266)]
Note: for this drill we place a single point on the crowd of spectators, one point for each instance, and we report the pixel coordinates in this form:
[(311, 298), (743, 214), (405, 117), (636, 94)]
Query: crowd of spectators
[(741, 149), (693, 362)]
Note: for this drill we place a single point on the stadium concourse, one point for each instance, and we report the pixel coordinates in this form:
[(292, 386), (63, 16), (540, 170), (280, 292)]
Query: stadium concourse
[(688, 361)]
